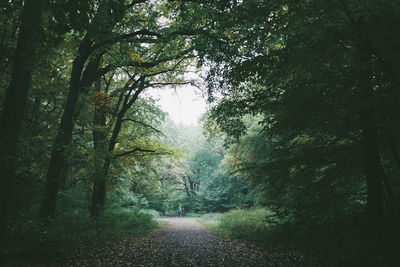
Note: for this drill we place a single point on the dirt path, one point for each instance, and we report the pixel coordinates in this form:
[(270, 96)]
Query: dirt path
[(190, 244), (184, 242)]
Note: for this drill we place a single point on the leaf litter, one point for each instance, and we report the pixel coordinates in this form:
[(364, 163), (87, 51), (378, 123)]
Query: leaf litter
[(184, 242)]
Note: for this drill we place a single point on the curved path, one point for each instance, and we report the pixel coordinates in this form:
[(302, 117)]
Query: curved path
[(184, 242)]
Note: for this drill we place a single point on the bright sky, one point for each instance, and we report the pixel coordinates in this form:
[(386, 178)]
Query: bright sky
[(184, 104)]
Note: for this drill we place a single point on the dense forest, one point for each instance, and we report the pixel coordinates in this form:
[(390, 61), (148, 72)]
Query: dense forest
[(299, 149)]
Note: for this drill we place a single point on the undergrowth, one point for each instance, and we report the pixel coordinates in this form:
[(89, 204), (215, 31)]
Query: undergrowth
[(332, 244), (35, 241)]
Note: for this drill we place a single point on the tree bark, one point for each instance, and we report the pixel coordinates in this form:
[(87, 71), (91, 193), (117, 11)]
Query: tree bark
[(82, 75), (372, 164), (15, 101), (99, 188), (186, 188), (372, 173), (100, 149), (64, 134)]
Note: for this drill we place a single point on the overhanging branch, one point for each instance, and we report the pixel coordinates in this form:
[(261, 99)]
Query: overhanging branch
[(125, 37), (144, 64), (142, 123), (146, 151)]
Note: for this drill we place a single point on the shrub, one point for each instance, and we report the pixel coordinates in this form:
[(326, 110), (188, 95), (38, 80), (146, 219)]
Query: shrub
[(153, 213), (70, 231), (246, 224), (253, 224)]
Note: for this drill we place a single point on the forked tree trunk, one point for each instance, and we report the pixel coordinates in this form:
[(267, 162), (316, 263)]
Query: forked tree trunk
[(64, 135), (83, 74), (99, 188)]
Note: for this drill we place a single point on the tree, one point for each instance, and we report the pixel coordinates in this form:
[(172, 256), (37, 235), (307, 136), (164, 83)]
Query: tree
[(86, 69), (311, 72), (130, 93), (14, 104)]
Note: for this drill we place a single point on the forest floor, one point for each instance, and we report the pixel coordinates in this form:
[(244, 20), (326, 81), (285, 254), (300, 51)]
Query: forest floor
[(183, 242)]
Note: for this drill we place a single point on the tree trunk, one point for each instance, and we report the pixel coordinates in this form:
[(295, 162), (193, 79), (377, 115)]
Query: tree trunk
[(64, 135), (370, 141), (372, 173), (99, 188), (100, 149), (81, 76), (186, 188), (14, 105)]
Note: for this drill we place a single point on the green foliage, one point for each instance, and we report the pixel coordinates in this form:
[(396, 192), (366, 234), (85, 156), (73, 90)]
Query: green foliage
[(125, 216), (32, 238), (198, 179), (299, 79), (291, 98), (153, 213), (315, 239), (254, 224), (294, 88)]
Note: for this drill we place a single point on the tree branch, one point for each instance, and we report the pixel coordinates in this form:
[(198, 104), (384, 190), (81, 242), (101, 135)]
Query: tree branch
[(142, 123), (148, 64), (125, 36), (138, 149), (171, 83), (168, 70)]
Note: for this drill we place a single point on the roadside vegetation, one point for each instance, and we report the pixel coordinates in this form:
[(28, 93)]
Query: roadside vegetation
[(36, 242), (319, 244)]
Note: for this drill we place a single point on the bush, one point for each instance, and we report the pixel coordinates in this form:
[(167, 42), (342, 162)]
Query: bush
[(153, 213), (70, 231), (246, 224), (342, 243), (254, 224), (210, 220)]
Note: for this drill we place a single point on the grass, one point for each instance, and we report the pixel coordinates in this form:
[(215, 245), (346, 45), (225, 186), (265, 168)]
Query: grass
[(338, 244), (253, 225), (162, 224)]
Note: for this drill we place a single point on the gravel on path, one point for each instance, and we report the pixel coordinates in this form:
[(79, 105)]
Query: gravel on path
[(184, 242)]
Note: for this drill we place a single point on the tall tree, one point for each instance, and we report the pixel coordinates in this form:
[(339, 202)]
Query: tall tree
[(85, 71), (100, 103), (312, 72), (136, 84), (104, 34), (16, 96)]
